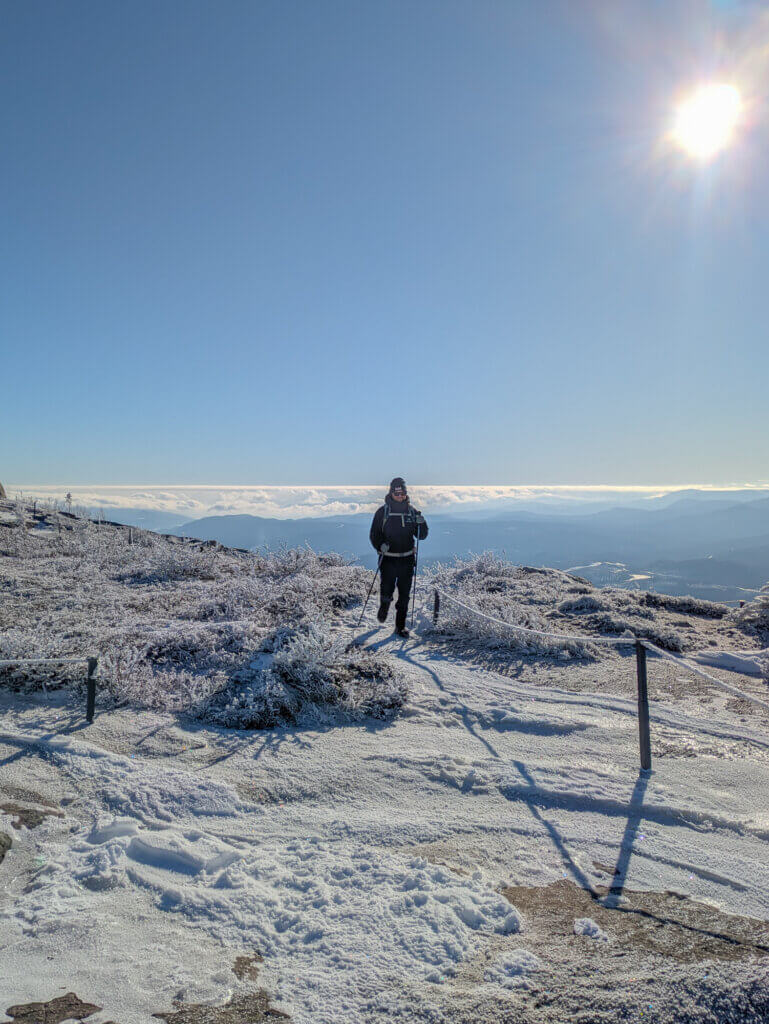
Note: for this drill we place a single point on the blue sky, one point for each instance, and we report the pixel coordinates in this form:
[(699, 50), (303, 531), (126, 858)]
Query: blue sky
[(324, 243)]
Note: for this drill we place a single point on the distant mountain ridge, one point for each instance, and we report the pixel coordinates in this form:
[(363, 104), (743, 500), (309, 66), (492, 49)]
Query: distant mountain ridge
[(682, 545), (346, 534)]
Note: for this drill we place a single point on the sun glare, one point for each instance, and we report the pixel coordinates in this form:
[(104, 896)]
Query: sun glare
[(706, 121)]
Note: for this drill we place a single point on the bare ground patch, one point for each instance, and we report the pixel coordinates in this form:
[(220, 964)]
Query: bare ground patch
[(665, 924)]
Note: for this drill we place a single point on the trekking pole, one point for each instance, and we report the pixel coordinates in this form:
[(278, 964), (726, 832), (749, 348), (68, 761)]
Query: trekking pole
[(414, 596), (379, 564)]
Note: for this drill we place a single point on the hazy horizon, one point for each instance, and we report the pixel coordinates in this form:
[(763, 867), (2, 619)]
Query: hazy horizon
[(299, 501)]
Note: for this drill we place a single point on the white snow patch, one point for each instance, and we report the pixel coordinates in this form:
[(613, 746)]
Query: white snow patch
[(749, 663), (586, 926), (512, 970)]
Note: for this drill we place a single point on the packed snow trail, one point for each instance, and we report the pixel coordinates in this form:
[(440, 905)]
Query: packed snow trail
[(364, 863)]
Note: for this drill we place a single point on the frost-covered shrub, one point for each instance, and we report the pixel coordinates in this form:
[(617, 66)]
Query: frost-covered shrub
[(129, 678), (686, 605), (586, 603), (34, 677), (624, 602), (180, 646), (534, 598), (171, 563), (614, 625), (487, 585), (754, 615), (293, 561), (230, 601), (178, 668), (309, 678)]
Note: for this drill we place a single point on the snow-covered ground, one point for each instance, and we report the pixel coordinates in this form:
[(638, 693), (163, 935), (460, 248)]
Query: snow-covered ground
[(487, 852)]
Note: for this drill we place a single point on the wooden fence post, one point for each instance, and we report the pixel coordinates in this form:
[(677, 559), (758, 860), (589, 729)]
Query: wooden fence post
[(91, 696), (644, 737), (436, 607)]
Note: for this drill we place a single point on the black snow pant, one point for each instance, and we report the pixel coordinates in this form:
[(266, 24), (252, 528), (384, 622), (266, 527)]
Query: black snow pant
[(398, 571)]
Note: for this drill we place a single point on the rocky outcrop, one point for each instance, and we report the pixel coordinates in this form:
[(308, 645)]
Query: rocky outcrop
[(3, 495)]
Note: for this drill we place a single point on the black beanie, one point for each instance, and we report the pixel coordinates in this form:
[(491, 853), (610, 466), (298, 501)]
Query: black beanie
[(397, 481)]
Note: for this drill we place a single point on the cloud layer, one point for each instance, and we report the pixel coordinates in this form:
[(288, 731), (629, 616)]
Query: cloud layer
[(294, 502)]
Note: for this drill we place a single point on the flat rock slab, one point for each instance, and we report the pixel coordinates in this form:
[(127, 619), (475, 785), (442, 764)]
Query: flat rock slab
[(29, 817), (250, 1009), (67, 1007)]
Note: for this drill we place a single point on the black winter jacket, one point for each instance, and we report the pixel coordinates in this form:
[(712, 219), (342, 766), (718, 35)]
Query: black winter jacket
[(396, 524)]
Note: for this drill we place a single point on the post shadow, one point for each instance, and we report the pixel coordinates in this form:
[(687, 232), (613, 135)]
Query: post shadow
[(579, 875), (617, 884)]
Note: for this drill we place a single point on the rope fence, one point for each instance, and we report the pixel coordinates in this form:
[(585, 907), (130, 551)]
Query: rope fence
[(525, 629), (706, 675), (641, 647)]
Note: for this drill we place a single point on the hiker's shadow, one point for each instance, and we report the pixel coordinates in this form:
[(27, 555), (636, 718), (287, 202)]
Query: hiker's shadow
[(360, 641), (465, 713)]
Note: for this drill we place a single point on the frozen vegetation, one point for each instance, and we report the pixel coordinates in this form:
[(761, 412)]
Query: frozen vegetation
[(448, 830), (233, 637), (550, 600), (254, 640)]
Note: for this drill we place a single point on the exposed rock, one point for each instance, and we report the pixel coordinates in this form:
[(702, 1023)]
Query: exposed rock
[(249, 1009), (67, 1007), (247, 967), (30, 817)]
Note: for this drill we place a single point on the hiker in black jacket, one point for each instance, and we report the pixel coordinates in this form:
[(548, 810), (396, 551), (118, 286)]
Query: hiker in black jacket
[(393, 530)]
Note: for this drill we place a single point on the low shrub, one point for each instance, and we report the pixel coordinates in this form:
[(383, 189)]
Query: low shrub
[(577, 605), (684, 604), (308, 678), (754, 616), (614, 625), (493, 587)]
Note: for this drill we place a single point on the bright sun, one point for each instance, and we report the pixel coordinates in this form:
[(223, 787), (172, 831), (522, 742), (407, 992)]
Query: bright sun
[(706, 121)]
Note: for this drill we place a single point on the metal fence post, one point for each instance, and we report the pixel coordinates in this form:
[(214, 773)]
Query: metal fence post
[(91, 696), (644, 737), (436, 607)]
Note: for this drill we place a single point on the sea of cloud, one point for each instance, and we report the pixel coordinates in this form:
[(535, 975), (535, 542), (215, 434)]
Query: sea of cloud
[(291, 502)]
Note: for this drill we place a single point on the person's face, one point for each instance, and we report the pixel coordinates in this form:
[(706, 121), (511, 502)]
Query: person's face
[(399, 493)]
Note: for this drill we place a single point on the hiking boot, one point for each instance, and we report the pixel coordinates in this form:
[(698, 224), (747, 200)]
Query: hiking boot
[(384, 608), (402, 631)]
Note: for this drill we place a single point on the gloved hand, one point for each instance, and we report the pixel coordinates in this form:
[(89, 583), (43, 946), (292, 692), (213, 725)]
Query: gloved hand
[(419, 518), (384, 548)]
